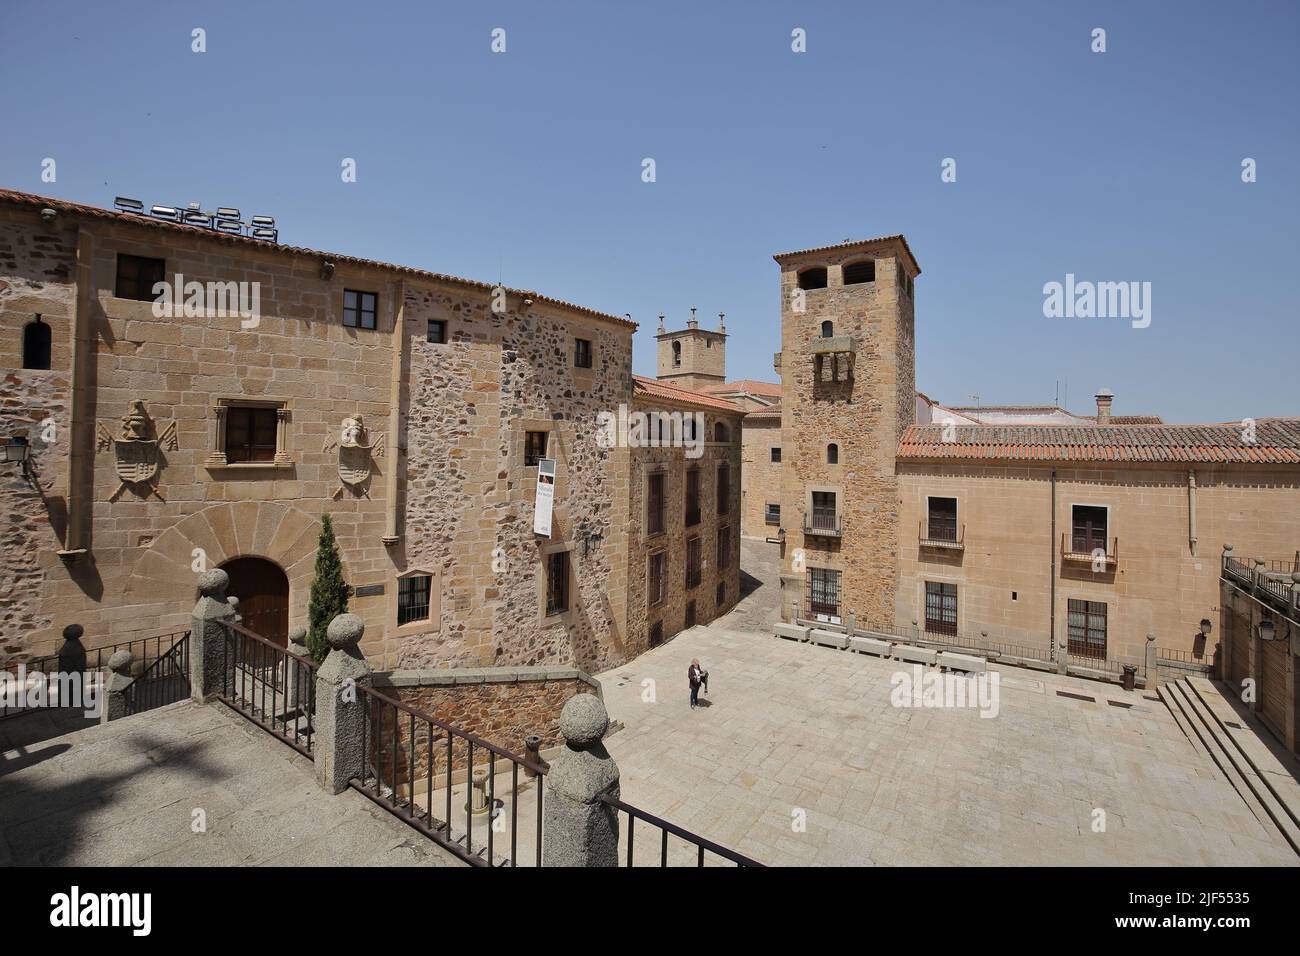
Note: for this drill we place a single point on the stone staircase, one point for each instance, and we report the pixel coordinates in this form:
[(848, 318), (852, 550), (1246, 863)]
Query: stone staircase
[(1264, 774)]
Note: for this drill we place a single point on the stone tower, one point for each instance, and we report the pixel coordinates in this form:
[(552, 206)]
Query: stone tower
[(693, 357), (848, 391)]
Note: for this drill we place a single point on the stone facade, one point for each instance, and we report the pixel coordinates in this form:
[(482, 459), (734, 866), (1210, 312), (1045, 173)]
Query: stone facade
[(762, 476), (692, 358)]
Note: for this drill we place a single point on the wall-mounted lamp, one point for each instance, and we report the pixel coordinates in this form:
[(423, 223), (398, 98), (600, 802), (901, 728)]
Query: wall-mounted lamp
[(591, 541), (19, 452), (1206, 627), (1267, 630)]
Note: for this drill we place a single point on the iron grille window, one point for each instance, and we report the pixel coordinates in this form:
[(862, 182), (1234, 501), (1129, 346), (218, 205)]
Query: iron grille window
[(772, 514), (437, 332), (823, 592), (251, 434), (724, 488), (136, 276), (413, 598), (658, 577), (942, 519), (692, 497), (360, 309), (534, 448), (557, 582), (1087, 629), (823, 511), (724, 547), (776, 456), (1088, 529), (582, 353), (654, 518), (693, 554), (941, 608)]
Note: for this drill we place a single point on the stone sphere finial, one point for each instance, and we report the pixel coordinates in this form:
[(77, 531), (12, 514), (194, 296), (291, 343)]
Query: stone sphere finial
[(73, 632), (1227, 547), (1295, 578), (213, 584), (345, 632), (1260, 561), (298, 635), (583, 721), (120, 662)]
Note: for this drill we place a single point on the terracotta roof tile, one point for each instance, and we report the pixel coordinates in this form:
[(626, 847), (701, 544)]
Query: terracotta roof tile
[(751, 385), (63, 205), (771, 411), (643, 387), (850, 243), (1277, 441)]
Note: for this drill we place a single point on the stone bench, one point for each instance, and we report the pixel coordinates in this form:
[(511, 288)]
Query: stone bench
[(869, 645), (962, 662), (829, 638), (792, 632), (915, 655)]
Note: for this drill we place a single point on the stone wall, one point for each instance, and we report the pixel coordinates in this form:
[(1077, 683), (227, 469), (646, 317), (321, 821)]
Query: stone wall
[(762, 477)]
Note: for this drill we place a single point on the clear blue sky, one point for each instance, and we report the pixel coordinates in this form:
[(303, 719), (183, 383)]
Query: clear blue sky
[(525, 166)]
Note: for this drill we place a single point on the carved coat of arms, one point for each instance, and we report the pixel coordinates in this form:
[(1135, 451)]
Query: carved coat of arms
[(356, 451), (137, 450)]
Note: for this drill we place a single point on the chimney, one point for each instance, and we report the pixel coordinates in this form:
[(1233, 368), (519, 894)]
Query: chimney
[(1104, 398)]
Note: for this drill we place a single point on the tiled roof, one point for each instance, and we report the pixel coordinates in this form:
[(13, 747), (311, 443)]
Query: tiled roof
[(849, 243), (751, 385), (643, 387), (1277, 441), (771, 411), (1136, 420), (63, 205)]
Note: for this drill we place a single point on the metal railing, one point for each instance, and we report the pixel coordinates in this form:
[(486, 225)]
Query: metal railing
[(941, 534), (1268, 580), (145, 651), (824, 523), (701, 845), (269, 685), (165, 681), (1085, 548), (407, 750)]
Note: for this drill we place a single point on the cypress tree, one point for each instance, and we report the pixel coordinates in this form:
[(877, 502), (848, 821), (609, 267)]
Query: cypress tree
[(329, 592)]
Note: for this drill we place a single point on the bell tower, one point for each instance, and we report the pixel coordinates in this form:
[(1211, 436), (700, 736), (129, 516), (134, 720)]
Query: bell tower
[(693, 357)]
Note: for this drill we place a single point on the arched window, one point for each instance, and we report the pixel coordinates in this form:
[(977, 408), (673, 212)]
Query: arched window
[(677, 354), (832, 454), (828, 329), (36, 344), (857, 272), (814, 278), (720, 432)]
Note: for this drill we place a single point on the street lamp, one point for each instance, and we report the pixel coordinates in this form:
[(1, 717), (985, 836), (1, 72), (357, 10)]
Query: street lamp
[(19, 452)]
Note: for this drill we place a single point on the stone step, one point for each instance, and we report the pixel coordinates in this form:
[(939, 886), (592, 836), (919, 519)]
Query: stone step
[(1166, 695), (1270, 813), (1277, 768)]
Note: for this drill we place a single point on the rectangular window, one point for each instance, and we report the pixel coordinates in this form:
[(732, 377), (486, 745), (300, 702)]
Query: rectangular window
[(658, 575), (437, 332), (824, 515), (656, 633), (721, 597), (534, 448), (823, 592), (360, 309), (942, 519), (582, 353), (251, 434), (776, 456), (1088, 529), (136, 276), (1087, 629), (693, 555), (690, 613), (557, 582), (692, 497), (772, 514), (724, 489), (724, 547), (654, 505), (941, 608), (413, 598)]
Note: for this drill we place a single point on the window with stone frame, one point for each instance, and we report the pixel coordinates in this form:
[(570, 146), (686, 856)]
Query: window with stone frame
[(36, 344), (582, 356), (776, 456), (657, 575), (557, 583), (252, 434), (534, 448), (692, 497), (136, 276), (724, 547), (859, 272), (941, 608), (436, 333), (694, 560), (360, 309), (941, 519), (1088, 528), (823, 592), (720, 596), (655, 504), (724, 488), (771, 513), (1087, 629), (413, 598)]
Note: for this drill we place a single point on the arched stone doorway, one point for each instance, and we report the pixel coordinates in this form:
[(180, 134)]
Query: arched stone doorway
[(263, 592)]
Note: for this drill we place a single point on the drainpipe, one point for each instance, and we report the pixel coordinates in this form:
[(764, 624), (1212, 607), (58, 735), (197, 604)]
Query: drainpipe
[(1191, 509), (1052, 612)]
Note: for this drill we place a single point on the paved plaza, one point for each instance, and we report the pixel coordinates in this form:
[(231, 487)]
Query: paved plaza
[(795, 732)]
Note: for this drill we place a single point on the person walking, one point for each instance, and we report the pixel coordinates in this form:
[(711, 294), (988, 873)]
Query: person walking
[(695, 674)]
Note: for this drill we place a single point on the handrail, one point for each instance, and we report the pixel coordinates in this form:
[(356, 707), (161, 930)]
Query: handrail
[(268, 655), (701, 843)]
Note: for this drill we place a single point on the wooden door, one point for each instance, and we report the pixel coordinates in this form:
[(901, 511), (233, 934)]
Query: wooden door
[(263, 592)]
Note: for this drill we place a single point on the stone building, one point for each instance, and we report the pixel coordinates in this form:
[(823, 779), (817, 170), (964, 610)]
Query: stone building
[(287, 384)]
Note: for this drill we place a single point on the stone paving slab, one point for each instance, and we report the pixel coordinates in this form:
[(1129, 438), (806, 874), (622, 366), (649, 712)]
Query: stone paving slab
[(125, 794)]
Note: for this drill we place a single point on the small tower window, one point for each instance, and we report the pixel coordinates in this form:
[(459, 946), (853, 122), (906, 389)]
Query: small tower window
[(858, 272), (832, 454), (36, 344), (677, 354), (828, 329), (814, 278), (720, 432)]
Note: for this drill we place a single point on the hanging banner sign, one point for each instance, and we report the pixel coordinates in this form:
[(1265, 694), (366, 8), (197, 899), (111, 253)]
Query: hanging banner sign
[(545, 498)]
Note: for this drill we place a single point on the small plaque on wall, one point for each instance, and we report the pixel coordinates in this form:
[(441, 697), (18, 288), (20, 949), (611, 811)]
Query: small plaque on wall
[(370, 590)]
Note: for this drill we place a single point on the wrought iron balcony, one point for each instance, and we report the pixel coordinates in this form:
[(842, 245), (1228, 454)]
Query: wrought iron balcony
[(1089, 549), (945, 535), (822, 523)]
